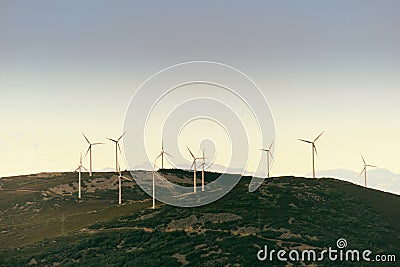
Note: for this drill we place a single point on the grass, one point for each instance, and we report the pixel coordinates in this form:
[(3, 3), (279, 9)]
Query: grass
[(36, 212)]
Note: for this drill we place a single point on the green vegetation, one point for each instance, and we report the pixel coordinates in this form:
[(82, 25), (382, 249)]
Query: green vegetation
[(46, 228)]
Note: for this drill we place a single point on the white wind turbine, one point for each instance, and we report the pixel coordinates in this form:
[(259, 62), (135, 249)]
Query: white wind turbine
[(80, 166), (154, 181), (117, 147), (154, 171), (90, 150), (364, 170), (202, 171), (314, 150), (162, 155), (269, 153), (194, 170), (120, 177)]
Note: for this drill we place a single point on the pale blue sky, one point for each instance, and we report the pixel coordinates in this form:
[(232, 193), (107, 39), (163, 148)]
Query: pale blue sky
[(72, 66)]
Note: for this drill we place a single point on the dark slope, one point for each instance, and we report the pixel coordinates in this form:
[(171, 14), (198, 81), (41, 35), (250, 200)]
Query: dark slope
[(286, 212)]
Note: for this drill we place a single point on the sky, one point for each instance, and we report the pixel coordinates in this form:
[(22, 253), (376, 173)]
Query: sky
[(71, 67)]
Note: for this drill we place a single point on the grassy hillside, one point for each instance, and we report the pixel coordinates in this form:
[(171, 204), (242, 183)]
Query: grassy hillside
[(45, 225)]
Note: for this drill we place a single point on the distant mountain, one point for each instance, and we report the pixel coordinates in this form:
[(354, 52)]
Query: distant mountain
[(221, 168), (380, 179), (146, 166), (107, 169)]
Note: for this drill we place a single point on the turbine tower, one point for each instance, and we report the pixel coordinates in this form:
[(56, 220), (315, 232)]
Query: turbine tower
[(194, 170), (117, 147), (120, 177), (202, 171), (80, 166), (162, 154), (268, 150), (154, 181), (90, 150), (154, 186), (364, 170), (313, 150)]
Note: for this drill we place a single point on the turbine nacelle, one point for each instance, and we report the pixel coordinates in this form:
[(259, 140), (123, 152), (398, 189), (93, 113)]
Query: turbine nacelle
[(80, 167), (364, 170), (194, 170), (117, 147), (314, 149), (90, 150), (269, 153), (162, 155)]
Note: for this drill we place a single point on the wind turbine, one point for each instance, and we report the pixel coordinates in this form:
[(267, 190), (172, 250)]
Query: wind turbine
[(365, 170), (120, 177), (268, 154), (80, 166), (154, 181), (202, 171), (154, 171), (194, 170), (162, 155), (117, 147), (314, 150), (90, 150)]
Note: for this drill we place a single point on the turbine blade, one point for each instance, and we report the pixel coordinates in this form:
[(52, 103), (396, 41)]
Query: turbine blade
[(318, 136), (168, 154), (155, 164), (192, 165), (126, 178), (121, 136), (363, 160), (85, 138), (315, 149), (112, 140), (97, 144), (305, 141), (372, 166), (191, 153), (119, 148), (269, 148), (77, 169), (209, 165), (90, 146), (362, 171), (85, 169), (272, 157)]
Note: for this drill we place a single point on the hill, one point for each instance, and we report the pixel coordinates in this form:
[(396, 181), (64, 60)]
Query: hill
[(43, 223), (380, 179)]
